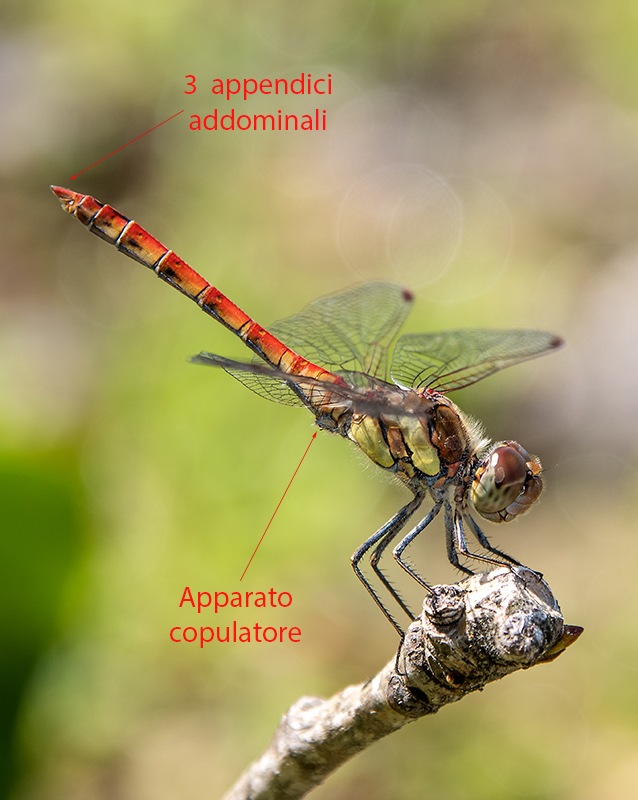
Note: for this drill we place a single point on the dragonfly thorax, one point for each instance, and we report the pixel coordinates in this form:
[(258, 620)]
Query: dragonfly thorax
[(506, 482), (422, 437)]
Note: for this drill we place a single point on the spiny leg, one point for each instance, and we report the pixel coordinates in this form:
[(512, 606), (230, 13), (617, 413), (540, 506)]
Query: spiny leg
[(485, 542), (390, 529), (461, 543), (409, 538), (406, 512), (451, 538)]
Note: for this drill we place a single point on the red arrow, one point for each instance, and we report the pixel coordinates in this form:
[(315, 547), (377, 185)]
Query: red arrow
[(95, 163), (314, 436)]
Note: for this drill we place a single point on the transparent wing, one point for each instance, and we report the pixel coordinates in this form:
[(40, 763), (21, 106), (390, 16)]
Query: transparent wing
[(257, 377), (349, 333), (273, 384), (455, 359)]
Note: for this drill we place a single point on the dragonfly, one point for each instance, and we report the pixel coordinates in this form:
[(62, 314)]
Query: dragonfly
[(341, 359)]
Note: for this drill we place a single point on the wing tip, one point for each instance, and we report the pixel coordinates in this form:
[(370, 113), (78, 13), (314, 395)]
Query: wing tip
[(556, 342)]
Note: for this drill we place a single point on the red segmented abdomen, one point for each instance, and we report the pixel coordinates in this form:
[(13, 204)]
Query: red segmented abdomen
[(132, 240)]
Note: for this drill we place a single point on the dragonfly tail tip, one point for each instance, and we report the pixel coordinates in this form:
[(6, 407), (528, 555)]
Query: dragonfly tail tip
[(68, 199)]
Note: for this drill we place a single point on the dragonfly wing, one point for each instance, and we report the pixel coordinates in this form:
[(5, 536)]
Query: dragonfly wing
[(454, 359), (258, 377), (349, 333), (281, 387)]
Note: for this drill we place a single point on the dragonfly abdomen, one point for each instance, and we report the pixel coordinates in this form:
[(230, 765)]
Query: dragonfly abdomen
[(134, 241)]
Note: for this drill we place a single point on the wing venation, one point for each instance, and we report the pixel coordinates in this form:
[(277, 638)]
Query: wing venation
[(454, 359)]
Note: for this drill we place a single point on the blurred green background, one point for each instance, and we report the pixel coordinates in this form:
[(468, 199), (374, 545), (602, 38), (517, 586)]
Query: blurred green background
[(484, 154)]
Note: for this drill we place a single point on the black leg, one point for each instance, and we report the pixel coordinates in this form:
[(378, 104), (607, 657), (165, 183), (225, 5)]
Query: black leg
[(461, 543), (387, 532), (485, 542), (398, 550), (382, 545), (452, 538)]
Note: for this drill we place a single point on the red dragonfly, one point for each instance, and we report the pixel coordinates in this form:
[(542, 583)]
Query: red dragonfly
[(398, 415)]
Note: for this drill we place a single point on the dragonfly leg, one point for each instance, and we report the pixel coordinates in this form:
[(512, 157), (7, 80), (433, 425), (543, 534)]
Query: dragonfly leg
[(461, 543), (409, 538), (454, 536), (378, 552), (381, 539), (485, 542)]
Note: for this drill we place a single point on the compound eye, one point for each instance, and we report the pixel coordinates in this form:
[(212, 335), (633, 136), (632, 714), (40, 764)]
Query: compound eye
[(506, 482), (508, 466)]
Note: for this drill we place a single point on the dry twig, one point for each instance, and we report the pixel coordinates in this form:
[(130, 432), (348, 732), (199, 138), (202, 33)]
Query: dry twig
[(468, 635)]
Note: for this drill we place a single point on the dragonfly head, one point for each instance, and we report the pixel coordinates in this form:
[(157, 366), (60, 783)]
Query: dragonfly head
[(506, 482)]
